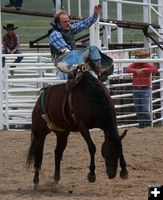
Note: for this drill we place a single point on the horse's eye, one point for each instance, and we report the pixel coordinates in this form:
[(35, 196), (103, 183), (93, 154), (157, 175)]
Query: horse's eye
[(84, 68)]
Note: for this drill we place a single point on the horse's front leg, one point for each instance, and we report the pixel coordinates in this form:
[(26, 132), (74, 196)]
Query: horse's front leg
[(123, 172), (92, 150), (60, 147)]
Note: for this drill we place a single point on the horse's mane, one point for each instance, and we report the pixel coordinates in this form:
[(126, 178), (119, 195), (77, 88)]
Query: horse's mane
[(98, 97), (98, 93), (89, 80)]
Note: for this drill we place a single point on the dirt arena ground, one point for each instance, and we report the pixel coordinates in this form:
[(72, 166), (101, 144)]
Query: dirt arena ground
[(143, 149)]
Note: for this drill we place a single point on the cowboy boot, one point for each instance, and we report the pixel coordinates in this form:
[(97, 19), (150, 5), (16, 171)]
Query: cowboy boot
[(100, 71), (103, 73)]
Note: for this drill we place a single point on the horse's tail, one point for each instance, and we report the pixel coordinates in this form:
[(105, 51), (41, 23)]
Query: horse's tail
[(31, 152)]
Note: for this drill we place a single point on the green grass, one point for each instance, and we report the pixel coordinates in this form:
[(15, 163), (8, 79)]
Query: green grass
[(30, 27)]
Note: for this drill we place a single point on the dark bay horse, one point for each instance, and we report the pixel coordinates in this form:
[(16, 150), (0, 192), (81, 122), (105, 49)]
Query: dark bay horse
[(88, 105)]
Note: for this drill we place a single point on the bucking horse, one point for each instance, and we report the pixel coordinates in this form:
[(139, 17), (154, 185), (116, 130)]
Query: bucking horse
[(79, 105)]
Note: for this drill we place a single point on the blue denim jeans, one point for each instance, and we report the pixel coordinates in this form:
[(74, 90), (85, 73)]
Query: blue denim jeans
[(91, 52), (17, 60), (142, 105), (62, 75), (18, 3)]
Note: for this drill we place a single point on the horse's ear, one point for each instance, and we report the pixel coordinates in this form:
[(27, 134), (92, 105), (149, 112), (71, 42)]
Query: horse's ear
[(123, 134)]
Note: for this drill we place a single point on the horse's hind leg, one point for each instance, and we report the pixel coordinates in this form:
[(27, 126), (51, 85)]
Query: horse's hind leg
[(60, 147), (92, 150), (38, 160), (36, 154)]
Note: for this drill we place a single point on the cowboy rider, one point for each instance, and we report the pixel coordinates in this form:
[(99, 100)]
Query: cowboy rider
[(62, 42)]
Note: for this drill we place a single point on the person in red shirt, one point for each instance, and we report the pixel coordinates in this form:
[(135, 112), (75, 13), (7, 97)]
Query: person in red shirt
[(142, 87), (10, 43)]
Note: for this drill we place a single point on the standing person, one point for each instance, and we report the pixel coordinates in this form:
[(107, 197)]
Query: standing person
[(142, 87), (11, 4), (15, 3), (18, 4), (62, 44), (11, 43)]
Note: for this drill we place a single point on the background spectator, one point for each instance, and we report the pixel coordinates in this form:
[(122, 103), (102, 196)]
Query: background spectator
[(18, 4), (10, 43), (11, 4), (142, 88)]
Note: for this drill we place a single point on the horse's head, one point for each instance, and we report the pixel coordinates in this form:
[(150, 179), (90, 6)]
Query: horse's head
[(111, 151), (76, 74)]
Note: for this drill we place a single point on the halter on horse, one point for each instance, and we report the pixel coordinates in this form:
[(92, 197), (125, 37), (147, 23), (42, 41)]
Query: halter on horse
[(83, 106)]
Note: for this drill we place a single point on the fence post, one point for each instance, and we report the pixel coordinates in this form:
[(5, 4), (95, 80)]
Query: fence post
[(1, 79), (151, 104), (147, 19), (107, 30), (119, 17), (160, 52), (6, 97), (94, 29), (58, 5), (79, 8)]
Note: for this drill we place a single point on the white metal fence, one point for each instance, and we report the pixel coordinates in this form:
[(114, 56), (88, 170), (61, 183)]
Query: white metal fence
[(21, 90)]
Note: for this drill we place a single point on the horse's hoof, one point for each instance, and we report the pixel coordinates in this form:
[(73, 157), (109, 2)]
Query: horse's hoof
[(36, 187), (111, 176), (54, 187), (56, 180), (124, 174), (91, 178)]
